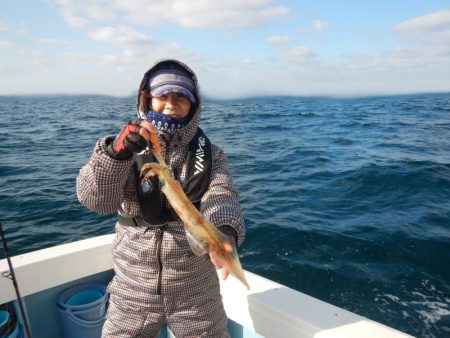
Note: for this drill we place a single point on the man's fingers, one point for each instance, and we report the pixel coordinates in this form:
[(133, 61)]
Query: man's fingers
[(225, 269), (135, 142), (214, 259), (224, 273)]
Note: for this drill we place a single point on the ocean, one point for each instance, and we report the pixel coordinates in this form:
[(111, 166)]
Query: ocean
[(347, 200)]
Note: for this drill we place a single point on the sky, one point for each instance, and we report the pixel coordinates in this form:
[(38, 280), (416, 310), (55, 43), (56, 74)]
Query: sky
[(238, 48)]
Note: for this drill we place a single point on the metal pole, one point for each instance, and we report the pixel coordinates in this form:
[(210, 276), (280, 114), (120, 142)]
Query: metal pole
[(14, 280)]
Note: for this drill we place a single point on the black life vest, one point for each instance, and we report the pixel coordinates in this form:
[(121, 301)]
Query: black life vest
[(152, 201)]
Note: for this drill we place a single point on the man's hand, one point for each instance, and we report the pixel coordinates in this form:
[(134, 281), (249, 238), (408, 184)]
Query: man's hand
[(133, 138), (219, 264)]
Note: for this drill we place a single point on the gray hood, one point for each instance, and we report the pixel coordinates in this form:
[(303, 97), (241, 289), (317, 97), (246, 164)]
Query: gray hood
[(184, 135), (143, 98)]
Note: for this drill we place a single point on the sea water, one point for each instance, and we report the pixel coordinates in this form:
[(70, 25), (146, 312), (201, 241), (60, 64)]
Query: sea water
[(347, 200)]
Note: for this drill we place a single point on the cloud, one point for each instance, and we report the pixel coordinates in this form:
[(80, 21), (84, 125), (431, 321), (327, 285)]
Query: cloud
[(81, 14), (296, 54), (136, 47), (51, 42), (422, 65), (432, 29), (8, 45), (320, 25), (4, 27), (74, 20), (221, 14), (188, 14), (315, 27), (5, 44), (120, 35), (22, 32), (278, 39), (400, 71), (432, 22), (90, 58)]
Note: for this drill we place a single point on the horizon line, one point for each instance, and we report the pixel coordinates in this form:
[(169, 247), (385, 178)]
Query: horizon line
[(250, 97)]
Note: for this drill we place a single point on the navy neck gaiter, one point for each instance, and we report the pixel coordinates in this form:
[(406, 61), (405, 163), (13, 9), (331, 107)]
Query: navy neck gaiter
[(166, 123)]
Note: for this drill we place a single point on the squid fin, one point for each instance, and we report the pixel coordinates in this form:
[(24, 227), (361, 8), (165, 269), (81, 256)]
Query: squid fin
[(197, 247)]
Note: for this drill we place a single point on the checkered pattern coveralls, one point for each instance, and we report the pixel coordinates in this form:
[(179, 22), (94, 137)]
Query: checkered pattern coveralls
[(158, 279)]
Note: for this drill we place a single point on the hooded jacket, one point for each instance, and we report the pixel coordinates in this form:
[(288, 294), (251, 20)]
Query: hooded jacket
[(158, 260)]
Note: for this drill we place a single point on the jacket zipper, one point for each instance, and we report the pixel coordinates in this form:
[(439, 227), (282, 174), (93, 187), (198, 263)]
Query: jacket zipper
[(159, 234)]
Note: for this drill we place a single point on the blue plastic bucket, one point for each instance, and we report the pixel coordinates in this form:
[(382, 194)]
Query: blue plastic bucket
[(4, 317), (74, 327), (17, 332), (93, 314), (9, 327), (83, 296), (83, 309)]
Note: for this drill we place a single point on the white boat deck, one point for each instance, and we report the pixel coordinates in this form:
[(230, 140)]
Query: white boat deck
[(268, 309)]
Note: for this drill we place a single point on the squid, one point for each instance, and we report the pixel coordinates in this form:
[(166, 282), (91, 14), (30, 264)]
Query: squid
[(202, 236)]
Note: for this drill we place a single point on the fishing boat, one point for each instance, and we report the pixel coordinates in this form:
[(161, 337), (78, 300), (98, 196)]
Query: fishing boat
[(268, 309)]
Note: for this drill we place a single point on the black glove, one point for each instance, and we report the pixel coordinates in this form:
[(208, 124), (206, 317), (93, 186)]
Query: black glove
[(230, 231), (127, 142)]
